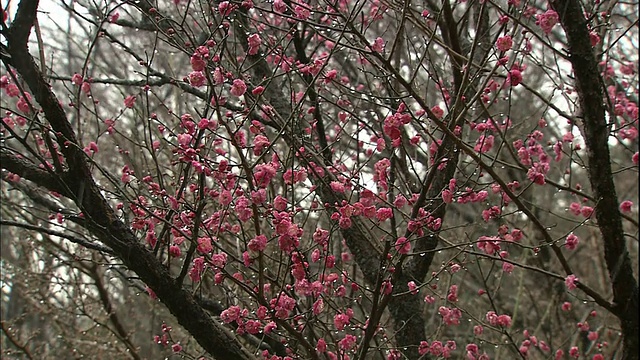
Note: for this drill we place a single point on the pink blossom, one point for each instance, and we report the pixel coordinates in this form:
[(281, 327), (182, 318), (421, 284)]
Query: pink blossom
[(176, 348), (504, 320), (114, 17), (270, 327), (514, 77), (594, 38), (252, 326), (452, 296), (318, 306), (574, 352), (298, 271), (478, 330), (344, 222), (260, 142), (436, 348), (330, 261), (259, 196), (225, 197), (450, 316), (151, 293), (625, 206), (491, 213), (241, 138), (218, 76), (383, 214), (543, 346), (254, 43), (129, 101), (302, 12), (337, 187), (423, 348), (378, 45), (437, 112), (4, 81), (489, 244), (219, 260), (570, 282), (400, 201), (231, 314), (547, 20), (472, 348), (571, 242), (403, 246), (321, 236), (315, 255), (412, 287), (387, 287), (447, 196), (23, 104), (197, 78), (348, 342), (516, 234), (86, 87), (257, 90), (258, 243), (263, 173), (575, 208), (340, 320), (225, 8), (197, 269), (330, 76), (504, 43), (492, 318), (586, 211), (557, 149), (238, 88), (174, 251), (536, 176), (280, 203), (76, 79), (321, 345), (92, 148), (12, 90), (198, 63), (204, 245)]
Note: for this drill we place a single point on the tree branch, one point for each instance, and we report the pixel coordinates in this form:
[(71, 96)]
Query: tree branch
[(595, 131)]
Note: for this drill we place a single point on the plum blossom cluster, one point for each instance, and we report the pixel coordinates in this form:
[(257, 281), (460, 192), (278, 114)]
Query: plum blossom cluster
[(394, 123), (498, 320), (85, 84), (24, 101), (532, 154), (165, 339), (532, 341), (437, 348), (547, 20), (578, 209)]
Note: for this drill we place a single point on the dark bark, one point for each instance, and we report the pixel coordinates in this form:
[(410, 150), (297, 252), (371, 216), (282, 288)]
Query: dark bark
[(595, 130)]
